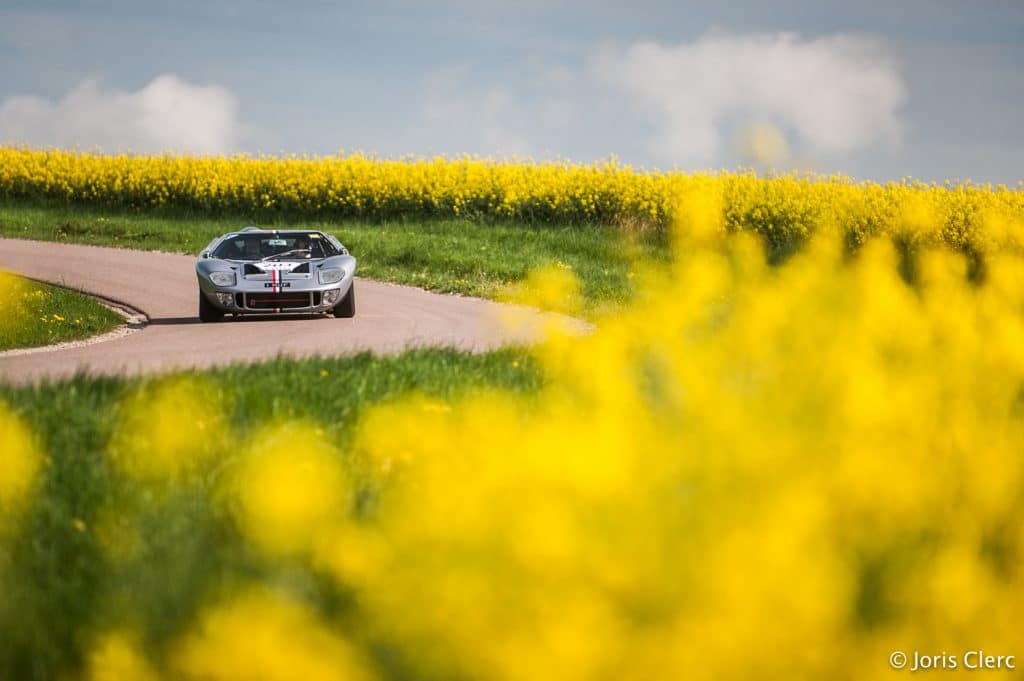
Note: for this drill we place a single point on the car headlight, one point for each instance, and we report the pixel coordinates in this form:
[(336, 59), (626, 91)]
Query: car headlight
[(223, 278), (331, 276)]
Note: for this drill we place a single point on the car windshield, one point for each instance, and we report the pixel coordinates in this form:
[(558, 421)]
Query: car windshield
[(289, 246)]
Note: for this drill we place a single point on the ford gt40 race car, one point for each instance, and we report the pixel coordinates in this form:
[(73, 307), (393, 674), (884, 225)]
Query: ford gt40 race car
[(257, 271)]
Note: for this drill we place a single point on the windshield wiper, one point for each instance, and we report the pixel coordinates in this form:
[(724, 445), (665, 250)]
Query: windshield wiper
[(281, 255)]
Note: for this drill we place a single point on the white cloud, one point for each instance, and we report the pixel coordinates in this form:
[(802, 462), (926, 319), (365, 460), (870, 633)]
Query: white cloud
[(168, 114), (835, 94), (460, 115)]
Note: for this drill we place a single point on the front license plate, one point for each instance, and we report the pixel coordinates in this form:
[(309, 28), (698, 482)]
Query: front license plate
[(282, 284)]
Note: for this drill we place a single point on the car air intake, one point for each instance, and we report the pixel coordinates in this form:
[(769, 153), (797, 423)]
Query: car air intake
[(252, 269), (269, 301)]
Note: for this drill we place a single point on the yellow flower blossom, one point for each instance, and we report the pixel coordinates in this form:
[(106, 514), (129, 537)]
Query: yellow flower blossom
[(262, 636), (20, 462), (117, 656), (168, 429), (289, 486)]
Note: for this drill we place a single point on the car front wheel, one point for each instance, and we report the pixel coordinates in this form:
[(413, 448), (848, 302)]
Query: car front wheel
[(207, 311), (347, 306)]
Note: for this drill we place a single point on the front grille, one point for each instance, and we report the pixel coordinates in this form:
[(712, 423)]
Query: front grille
[(270, 301)]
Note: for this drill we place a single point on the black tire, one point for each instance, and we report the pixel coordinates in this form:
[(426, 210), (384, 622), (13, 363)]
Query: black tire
[(207, 311), (346, 307)]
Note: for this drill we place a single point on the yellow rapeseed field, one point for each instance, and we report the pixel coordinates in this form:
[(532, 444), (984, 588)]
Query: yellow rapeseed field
[(783, 209), (752, 471)]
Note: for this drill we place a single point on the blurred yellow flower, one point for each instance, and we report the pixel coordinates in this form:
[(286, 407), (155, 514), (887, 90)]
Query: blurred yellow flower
[(552, 287), (752, 471), (261, 636), (168, 429), (289, 485), (20, 461), (12, 310), (117, 656)]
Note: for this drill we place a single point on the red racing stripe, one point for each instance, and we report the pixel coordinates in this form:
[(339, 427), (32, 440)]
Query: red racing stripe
[(275, 276)]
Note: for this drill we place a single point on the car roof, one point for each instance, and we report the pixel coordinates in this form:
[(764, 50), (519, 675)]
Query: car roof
[(258, 231)]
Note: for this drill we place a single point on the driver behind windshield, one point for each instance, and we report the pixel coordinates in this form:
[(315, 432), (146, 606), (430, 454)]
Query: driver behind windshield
[(261, 248), (252, 249)]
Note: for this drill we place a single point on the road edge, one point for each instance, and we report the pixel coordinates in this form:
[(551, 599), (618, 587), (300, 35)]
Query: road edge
[(135, 320)]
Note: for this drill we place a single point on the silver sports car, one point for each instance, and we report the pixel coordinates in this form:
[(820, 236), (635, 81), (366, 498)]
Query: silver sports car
[(258, 271)]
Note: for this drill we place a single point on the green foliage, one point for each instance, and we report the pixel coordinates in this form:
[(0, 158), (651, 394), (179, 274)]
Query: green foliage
[(36, 314), (172, 545)]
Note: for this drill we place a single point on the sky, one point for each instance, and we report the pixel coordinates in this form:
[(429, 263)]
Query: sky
[(930, 89)]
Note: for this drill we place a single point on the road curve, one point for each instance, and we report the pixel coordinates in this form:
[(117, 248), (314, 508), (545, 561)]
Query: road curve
[(389, 318)]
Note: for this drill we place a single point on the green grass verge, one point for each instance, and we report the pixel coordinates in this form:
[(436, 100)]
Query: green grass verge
[(450, 256), (43, 315), (60, 587)]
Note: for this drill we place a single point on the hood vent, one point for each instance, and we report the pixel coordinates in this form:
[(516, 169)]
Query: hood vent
[(283, 268)]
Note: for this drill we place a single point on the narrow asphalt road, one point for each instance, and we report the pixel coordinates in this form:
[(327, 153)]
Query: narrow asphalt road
[(389, 318)]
